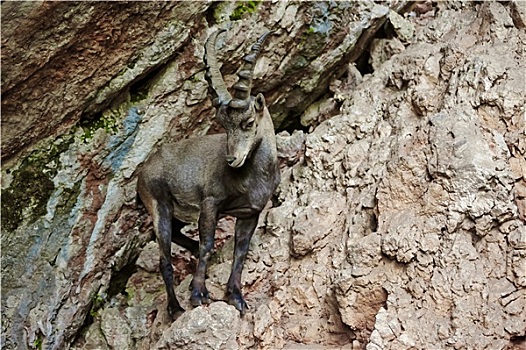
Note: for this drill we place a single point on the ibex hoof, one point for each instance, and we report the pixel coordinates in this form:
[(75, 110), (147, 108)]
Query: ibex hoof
[(175, 312), (198, 299), (239, 303)]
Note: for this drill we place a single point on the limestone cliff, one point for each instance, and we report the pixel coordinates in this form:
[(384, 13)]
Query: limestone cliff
[(400, 220)]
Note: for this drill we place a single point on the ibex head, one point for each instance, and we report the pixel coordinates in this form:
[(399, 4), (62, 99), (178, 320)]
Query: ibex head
[(240, 115)]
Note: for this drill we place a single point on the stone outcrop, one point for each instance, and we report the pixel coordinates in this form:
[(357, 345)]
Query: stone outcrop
[(399, 223)]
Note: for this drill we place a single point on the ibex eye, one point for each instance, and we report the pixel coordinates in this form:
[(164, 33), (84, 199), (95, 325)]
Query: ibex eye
[(249, 124)]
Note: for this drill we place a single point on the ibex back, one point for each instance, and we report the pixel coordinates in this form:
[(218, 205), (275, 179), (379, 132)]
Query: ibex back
[(204, 178)]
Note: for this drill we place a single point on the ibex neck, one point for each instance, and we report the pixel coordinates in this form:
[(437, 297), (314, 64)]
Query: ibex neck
[(267, 144)]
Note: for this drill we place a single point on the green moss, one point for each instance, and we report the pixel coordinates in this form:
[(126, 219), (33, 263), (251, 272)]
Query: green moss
[(70, 196), (130, 294), (195, 78), (97, 303), (242, 8), (107, 121), (311, 30), (32, 185), (37, 344)]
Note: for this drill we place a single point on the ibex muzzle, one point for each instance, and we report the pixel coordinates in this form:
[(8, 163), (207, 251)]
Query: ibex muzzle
[(204, 178)]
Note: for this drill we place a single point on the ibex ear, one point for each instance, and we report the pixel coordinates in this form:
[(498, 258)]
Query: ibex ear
[(259, 102)]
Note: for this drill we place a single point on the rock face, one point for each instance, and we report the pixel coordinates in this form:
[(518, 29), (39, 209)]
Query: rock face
[(77, 57), (400, 220)]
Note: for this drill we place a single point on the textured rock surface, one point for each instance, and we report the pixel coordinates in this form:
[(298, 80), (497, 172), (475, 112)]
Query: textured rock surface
[(400, 222), (78, 56)]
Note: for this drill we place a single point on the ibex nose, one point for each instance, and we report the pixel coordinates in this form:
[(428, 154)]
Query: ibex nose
[(230, 159)]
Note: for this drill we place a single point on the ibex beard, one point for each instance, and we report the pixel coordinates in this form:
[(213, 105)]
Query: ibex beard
[(204, 178)]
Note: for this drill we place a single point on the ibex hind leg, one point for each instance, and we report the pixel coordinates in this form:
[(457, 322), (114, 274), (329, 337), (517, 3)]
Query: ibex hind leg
[(162, 216), (181, 239)]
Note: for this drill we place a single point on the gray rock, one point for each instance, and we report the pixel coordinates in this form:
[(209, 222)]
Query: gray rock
[(313, 222), (404, 28), (212, 327), (115, 329)]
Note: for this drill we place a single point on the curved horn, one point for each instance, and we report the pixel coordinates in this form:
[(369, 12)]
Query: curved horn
[(244, 84), (213, 74)]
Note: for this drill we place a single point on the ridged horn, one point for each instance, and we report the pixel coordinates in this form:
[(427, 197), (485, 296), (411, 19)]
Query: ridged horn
[(213, 74), (246, 74)]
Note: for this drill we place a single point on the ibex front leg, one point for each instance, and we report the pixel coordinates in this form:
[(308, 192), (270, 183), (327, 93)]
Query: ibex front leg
[(244, 231), (207, 227)]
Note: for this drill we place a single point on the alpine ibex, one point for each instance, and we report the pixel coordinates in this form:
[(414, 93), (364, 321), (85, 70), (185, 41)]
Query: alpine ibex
[(204, 178)]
